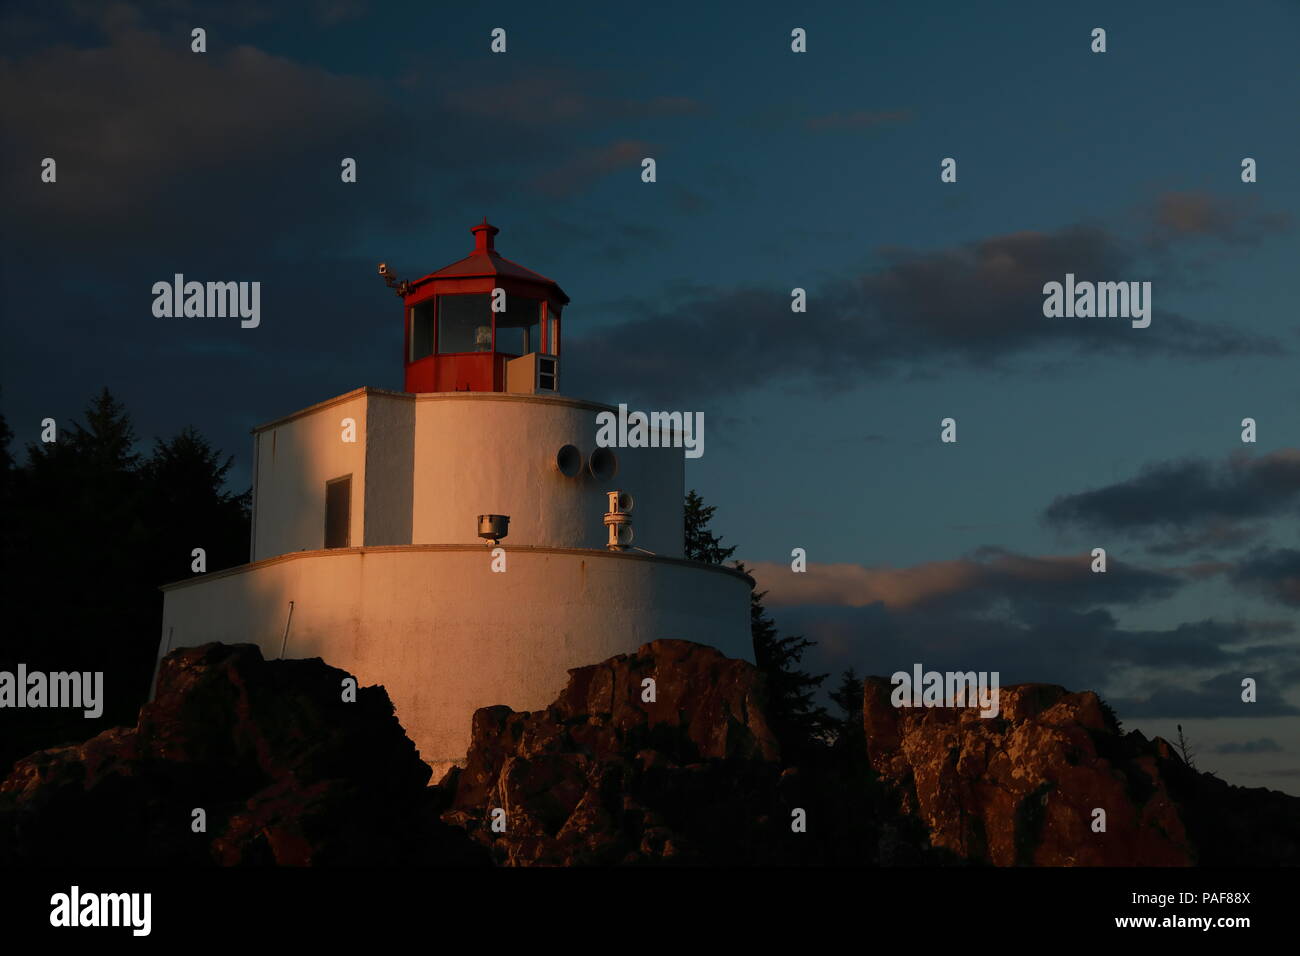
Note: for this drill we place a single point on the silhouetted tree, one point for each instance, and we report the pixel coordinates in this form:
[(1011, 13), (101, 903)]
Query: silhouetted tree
[(1185, 749), (90, 532), (6, 483), (6, 460), (800, 725), (701, 544), (847, 697), (107, 440), (1112, 717), (186, 476)]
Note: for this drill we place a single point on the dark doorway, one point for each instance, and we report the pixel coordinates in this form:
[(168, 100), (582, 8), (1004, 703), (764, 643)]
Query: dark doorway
[(338, 512)]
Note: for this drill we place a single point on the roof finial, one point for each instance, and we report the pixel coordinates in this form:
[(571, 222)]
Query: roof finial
[(484, 233)]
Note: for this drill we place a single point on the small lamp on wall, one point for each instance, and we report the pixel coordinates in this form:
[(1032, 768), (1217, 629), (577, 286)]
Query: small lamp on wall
[(493, 528)]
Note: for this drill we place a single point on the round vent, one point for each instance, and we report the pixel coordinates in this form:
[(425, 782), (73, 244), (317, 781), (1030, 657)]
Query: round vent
[(569, 461), (603, 464)]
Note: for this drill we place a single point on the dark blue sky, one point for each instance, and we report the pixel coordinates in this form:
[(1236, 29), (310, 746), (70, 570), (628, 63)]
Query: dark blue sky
[(775, 170)]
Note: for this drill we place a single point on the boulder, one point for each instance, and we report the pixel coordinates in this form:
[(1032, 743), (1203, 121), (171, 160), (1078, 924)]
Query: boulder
[(285, 770), (605, 776), (1024, 787)]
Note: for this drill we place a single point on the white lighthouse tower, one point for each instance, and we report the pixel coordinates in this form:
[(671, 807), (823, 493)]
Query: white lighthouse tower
[(379, 535)]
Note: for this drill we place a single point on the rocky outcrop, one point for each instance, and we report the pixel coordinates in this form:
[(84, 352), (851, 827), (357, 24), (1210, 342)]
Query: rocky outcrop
[(1228, 825), (1024, 788), (607, 775), (284, 769), (664, 756), (604, 775)]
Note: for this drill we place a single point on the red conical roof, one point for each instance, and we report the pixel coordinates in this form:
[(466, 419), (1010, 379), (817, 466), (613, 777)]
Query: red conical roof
[(485, 261)]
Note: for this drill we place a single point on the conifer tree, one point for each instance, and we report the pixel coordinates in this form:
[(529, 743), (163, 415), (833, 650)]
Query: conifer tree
[(6, 436), (107, 440), (847, 697), (90, 531), (701, 544), (801, 725)]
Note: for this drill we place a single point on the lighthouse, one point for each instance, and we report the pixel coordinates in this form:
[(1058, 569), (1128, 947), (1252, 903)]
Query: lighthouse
[(451, 541)]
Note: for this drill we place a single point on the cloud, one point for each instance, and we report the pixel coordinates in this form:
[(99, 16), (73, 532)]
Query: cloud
[(1216, 536), (1182, 215), (976, 304), (154, 141), (1218, 696), (1264, 745), (1189, 670), (161, 149), (1153, 671), (1033, 618), (583, 166), (1275, 574), (991, 575), (1199, 501), (118, 117)]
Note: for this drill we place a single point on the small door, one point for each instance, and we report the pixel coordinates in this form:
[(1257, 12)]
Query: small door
[(338, 512)]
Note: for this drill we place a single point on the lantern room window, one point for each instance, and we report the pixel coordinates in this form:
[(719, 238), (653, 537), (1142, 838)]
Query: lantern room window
[(464, 324), (519, 327), (422, 330)]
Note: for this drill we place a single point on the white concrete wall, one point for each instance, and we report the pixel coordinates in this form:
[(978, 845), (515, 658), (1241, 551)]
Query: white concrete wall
[(494, 453), (295, 457), (424, 467), (390, 469), (446, 635)]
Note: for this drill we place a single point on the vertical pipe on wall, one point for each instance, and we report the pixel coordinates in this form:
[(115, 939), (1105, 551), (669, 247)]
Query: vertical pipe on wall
[(285, 643)]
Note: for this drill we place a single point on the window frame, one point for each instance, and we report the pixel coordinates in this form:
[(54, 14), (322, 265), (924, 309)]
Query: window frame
[(551, 330), (432, 303), (437, 322), (347, 530), (539, 324)]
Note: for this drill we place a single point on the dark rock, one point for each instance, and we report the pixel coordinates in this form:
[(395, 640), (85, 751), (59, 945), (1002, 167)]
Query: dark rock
[(694, 777), (287, 772), (1021, 788)]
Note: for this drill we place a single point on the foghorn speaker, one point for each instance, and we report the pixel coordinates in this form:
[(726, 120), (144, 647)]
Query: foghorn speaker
[(620, 502), (624, 533), (493, 527), (603, 464), (569, 461)]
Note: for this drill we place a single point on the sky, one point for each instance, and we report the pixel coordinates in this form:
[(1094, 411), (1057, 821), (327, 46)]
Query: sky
[(775, 170)]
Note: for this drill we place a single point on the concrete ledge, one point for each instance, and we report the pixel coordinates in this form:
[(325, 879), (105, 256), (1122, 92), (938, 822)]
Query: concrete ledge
[(484, 549), (439, 397)]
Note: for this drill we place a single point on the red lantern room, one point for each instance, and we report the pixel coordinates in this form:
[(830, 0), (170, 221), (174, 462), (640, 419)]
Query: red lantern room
[(483, 324)]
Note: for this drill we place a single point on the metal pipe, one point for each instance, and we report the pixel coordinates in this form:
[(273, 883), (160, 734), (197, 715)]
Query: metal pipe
[(285, 642)]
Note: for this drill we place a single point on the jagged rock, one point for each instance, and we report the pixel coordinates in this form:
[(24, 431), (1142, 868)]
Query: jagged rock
[(287, 772), (1021, 788), (290, 774), (602, 776), (1228, 825)]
